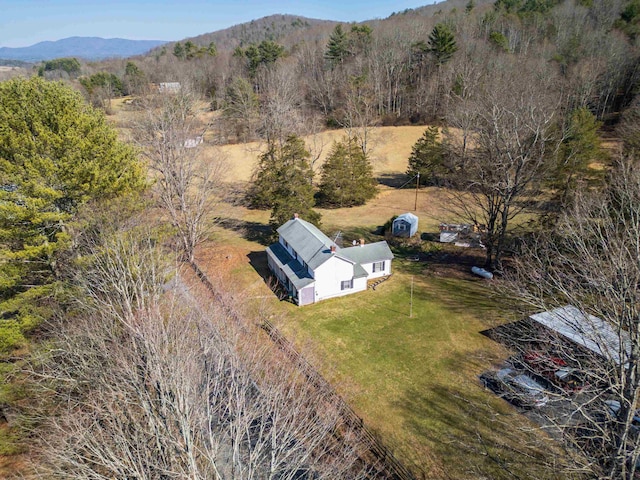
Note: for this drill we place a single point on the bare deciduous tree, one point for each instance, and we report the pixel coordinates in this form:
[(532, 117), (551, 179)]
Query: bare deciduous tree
[(592, 261), (188, 183), (147, 385), (281, 104), (500, 147)]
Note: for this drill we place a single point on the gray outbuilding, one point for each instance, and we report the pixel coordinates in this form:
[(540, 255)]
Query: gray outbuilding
[(405, 225)]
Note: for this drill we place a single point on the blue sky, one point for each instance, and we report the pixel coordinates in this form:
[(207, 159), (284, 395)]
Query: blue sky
[(25, 22)]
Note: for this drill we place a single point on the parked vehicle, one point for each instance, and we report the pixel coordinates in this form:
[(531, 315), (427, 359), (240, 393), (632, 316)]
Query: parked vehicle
[(516, 387), (554, 370), (613, 408)]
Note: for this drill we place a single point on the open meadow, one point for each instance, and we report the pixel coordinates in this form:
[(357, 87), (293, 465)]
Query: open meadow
[(407, 355)]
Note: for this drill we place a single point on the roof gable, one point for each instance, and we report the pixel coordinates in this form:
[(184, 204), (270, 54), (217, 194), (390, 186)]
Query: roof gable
[(407, 217), (311, 245)]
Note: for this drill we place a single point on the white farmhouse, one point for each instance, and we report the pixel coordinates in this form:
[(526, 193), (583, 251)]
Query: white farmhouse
[(312, 267)]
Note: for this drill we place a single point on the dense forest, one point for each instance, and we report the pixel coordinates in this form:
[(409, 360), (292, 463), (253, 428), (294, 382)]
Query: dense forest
[(401, 69), (128, 379)]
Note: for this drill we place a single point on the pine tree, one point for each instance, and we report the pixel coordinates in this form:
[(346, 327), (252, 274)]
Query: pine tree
[(427, 158), (337, 47), (56, 154), (347, 176), (179, 51), (581, 145), (283, 182), (442, 43)]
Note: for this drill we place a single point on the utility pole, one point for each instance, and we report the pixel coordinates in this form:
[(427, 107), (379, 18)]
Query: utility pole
[(415, 207), (411, 301)]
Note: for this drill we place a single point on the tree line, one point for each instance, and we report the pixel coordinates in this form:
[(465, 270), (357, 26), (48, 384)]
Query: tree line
[(406, 68)]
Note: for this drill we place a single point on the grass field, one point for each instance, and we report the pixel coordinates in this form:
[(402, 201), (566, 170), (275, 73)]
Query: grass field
[(412, 378)]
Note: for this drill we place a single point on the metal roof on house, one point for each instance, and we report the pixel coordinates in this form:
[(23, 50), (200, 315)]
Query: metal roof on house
[(588, 331), (295, 272), (359, 271), (311, 245), (369, 253)]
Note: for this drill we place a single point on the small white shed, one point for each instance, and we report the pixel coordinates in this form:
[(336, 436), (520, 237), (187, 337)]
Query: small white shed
[(405, 225)]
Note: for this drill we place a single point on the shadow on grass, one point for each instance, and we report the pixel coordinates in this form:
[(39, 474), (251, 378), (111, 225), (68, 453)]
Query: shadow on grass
[(357, 233), (258, 261), (467, 433), (430, 236), (512, 335), (393, 179), (464, 295), (252, 231)]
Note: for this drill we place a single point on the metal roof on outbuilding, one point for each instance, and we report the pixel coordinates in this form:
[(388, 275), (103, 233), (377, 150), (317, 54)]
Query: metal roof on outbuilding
[(405, 225), (409, 217), (586, 330)]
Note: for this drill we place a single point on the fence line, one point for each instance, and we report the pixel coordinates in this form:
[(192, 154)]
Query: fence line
[(392, 468)]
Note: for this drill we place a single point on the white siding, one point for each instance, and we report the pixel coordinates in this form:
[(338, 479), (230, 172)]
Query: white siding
[(383, 273), (329, 277), (360, 284)]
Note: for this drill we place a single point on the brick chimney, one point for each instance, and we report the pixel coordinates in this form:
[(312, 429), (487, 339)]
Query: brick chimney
[(333, 249), (362, 242)]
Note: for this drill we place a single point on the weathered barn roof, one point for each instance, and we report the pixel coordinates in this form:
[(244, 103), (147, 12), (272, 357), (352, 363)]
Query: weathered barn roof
[(588, 331)]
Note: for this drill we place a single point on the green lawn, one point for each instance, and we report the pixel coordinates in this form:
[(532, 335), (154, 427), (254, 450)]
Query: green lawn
[(415, 379)]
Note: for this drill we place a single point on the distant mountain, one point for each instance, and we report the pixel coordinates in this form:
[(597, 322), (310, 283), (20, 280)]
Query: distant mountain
[(89, 48)]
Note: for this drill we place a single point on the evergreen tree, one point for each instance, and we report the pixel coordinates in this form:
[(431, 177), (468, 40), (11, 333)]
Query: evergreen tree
[(102, 80), (427, 158), (442, 43), (265, 53), (134, 78), (191, 50), (241, 107), (337, 47), (629, 21), (70, 66), (56, 154), (360, 39), (581, 146), (179, 51), (282, 182), (347, 176), (270, 52)]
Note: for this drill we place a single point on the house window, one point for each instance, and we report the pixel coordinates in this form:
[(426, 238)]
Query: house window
[(378, 267), (346, 284)]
